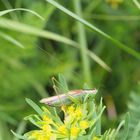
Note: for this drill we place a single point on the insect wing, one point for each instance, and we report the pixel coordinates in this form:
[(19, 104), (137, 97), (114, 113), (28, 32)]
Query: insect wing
[(51, 101), (66, 97)]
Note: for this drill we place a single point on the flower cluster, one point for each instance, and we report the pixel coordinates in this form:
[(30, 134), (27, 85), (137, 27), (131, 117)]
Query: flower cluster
[(77, 121), (73, 125)]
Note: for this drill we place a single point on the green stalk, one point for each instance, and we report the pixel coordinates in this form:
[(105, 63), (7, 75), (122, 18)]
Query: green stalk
[(137, 4), (92, 5), (83, 44)]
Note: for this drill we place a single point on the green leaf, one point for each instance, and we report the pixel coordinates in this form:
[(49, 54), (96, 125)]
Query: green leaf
[(33, 119), (126, 127), (98, 60), (20, 129), (94, 28), (81, 33), (20, 9), (136, 132), (92, 134), (7, 118), (27, 29), (11, 39), (34, 106), (118, 129), (98, 125), (137, 4), (100, 114), (19, 136)]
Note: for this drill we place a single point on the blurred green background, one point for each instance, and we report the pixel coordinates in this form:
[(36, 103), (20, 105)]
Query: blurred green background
[(58, 44)]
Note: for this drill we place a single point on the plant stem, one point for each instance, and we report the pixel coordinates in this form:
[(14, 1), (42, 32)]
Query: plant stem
[(137, 4), (83, 44)]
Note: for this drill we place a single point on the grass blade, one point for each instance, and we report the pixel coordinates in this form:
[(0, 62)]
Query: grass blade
[(98, 60), (9, 6), (126, 127), (83, 44), (137, 4), (20, 129), (4, 131), (11, 39), (19, 136), (136, 132), (23, 28), (20, 9), (112, 17), (98, 125), (7, 118), (94, 28)]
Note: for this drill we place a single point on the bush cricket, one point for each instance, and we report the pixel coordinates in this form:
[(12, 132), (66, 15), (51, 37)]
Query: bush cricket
[(69, 97)]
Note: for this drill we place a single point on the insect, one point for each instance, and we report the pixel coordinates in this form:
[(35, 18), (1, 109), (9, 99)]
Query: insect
[(69, 97)]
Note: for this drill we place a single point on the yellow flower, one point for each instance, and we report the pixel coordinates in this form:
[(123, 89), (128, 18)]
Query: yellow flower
[(78, 113), (84, 124), (63, 130), (46, 128), (74, 131), (47, 119), (95, 138), (72, 126), (40, 135), (71, 109)]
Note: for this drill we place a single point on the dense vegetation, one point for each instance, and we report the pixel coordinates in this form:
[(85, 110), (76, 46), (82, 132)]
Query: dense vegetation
[(34, 50)]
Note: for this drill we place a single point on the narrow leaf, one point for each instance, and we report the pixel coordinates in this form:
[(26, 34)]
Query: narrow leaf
[(20, 129), (34, 106), (11, 39), (98, 60), (137, 4), (136, 132), (126, 127), (98, 125), (27, 29), (19, 136), (20, 9)]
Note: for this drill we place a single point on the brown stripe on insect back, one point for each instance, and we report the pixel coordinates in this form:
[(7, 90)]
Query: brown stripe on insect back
[(59, 97), (73, 93)]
